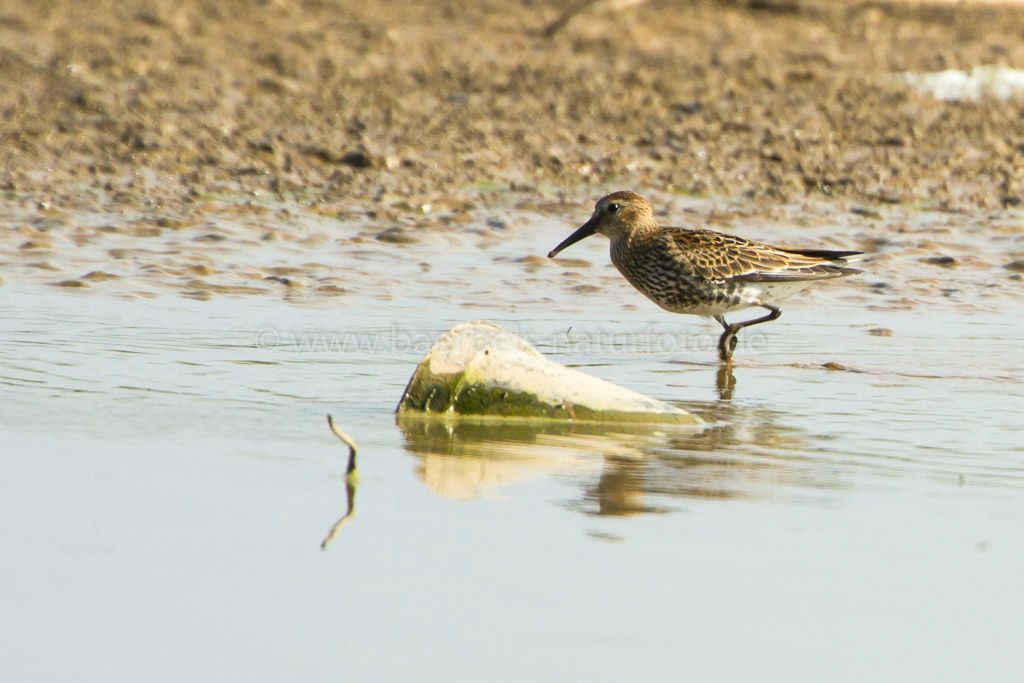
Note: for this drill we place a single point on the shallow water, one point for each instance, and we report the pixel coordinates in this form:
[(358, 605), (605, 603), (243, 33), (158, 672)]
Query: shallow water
[(168, 478)]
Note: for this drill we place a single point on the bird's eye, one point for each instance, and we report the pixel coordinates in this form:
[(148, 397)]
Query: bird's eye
[(613, 208)]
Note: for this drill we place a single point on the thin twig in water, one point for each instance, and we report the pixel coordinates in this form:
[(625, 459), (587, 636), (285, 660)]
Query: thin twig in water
[(348, 441), (350, 482)]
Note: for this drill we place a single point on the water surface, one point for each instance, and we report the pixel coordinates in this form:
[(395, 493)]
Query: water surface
[(169, 476)]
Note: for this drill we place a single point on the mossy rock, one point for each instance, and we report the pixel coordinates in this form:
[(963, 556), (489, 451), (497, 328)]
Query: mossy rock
[(479, 371)]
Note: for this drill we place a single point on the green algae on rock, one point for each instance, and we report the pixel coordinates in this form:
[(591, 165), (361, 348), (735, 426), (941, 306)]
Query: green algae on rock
[(478, 370)]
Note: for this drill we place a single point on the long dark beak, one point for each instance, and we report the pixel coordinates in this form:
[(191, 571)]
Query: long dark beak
[(582, 232)]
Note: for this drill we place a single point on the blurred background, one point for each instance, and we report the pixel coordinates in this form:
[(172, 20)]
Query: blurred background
[(781, 99)]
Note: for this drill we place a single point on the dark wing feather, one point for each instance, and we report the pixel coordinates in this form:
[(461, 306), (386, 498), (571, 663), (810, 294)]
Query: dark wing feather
[(826, 254), (716, 256)]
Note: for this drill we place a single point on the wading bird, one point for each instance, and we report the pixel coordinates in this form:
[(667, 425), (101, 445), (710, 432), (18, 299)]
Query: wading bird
[(702, 272)]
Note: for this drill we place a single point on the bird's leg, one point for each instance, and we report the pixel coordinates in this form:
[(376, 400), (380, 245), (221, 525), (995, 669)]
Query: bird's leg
[(773, 314), (727, 342)]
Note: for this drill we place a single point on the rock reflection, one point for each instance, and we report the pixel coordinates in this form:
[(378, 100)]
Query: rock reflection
[(623, 469), (463, 460)]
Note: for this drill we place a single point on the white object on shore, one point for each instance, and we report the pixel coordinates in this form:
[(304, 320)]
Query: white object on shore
[(478, 369), (999, 82)]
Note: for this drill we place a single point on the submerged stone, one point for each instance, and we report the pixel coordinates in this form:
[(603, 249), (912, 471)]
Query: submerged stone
[(479, 370)]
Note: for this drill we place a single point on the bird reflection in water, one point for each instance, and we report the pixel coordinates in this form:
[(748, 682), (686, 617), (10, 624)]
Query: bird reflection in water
[(725, 382), (639, 469), (619, 491)]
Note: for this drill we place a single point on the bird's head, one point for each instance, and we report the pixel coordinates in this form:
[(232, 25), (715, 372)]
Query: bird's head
[(615, 216)]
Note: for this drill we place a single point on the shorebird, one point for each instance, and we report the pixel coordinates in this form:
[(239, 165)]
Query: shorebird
[(703, 272)]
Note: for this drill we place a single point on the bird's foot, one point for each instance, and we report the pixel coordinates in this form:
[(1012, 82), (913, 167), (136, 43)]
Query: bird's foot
[(727, 344)]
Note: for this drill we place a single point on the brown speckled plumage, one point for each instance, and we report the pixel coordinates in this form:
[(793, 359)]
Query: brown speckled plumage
[(702, 272)]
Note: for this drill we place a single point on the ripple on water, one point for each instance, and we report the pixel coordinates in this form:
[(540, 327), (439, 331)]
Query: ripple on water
[(895, 412)]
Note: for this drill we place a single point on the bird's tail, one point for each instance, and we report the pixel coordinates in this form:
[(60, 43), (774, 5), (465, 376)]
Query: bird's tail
[(841, 257)]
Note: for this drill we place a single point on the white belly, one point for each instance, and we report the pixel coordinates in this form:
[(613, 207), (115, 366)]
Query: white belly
[(754, 294), (773, 292)]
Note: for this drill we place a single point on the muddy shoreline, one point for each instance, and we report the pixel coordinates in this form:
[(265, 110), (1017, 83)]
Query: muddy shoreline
[(258, 148), (167, 104)]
